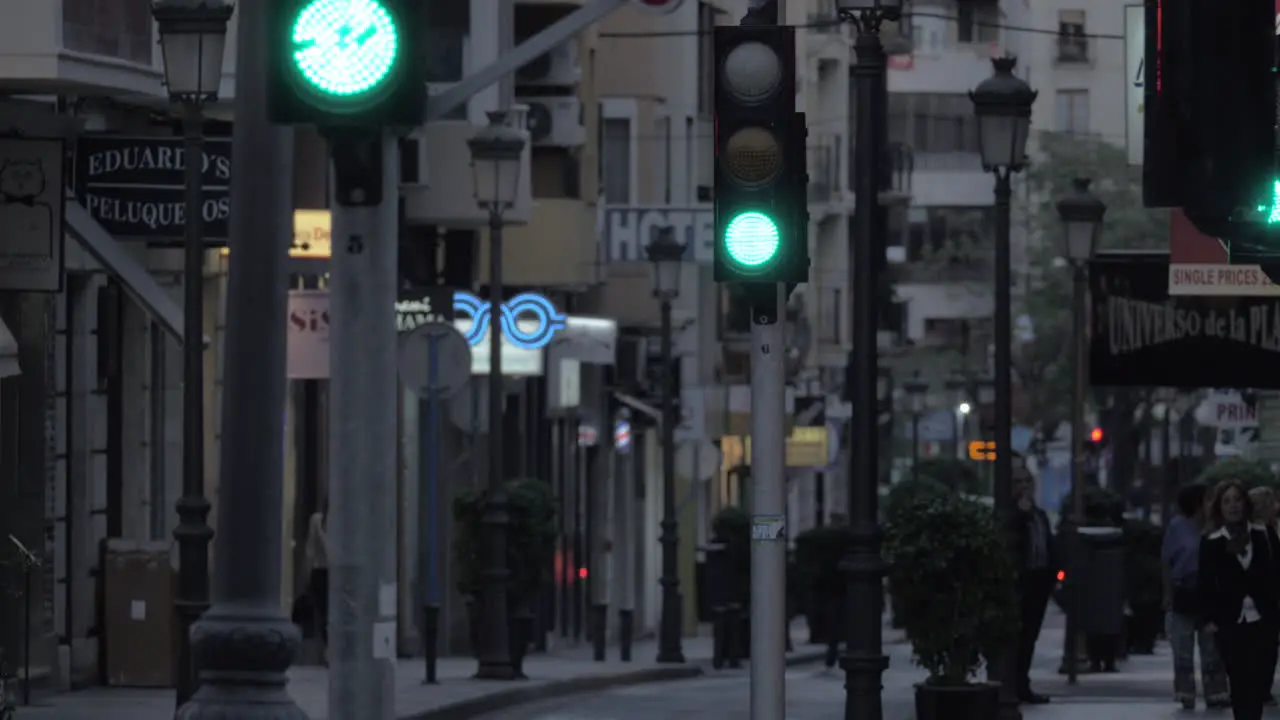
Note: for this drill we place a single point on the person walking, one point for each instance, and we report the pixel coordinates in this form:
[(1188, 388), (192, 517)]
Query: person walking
[(318, 578), (1180, 561), (1239, 598), (1037, 571), (1264, 514)]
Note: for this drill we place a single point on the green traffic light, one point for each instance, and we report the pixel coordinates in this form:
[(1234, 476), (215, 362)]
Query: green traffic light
[(751, 239), (1273, 214), (345, 48)]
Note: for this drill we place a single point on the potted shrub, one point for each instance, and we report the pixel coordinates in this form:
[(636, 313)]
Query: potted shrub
[(818, 582), (899, 500), (954, 473), (531, 542), (953, 579)]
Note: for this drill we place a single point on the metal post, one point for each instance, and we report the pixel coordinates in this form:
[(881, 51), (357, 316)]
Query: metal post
[(1003, 491), (1169, 490), (494, 659), (768, 510), (157, 409), (625, 547), (1071, 648), (602, 524), (244, 644), (864, 661), (669, 642), (429, 544), (193, 533), (362, 430), (915, 446)]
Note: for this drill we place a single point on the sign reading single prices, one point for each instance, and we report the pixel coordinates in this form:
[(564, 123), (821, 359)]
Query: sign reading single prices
[(1199, 265)]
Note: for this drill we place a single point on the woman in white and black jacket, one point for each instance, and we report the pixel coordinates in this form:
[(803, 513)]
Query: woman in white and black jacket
[(1240, 596)]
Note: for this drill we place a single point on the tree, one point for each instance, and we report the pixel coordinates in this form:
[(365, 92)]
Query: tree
[(1043, 368)]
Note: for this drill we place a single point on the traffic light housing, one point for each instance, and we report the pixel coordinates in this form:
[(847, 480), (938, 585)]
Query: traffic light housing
[(346, 63), (761, 181)]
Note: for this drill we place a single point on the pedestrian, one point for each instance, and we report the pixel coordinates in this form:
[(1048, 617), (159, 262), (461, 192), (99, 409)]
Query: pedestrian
[(318, 575), (1180, 561), (1037, 566), (1264, 514), (1239, 598)]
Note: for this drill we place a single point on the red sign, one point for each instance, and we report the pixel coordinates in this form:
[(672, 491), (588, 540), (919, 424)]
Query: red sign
[(1199, 265)]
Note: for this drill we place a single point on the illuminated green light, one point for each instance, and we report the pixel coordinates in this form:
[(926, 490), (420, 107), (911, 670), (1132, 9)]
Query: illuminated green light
[(1274, 215), (345, 48), (752, 239)]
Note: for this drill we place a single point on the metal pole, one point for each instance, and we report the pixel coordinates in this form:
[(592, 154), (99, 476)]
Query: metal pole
[(864, 661), (768, 510), (625, 544), (193, 533), (1168, 488), (915, 446), (669, 642), (1071, 647), (429, 536), (494, 660), (1008, 662), (156, 461), (244, 644), (363, 389)]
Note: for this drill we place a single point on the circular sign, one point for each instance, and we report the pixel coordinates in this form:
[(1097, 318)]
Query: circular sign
[(434, 359), (345, 48)]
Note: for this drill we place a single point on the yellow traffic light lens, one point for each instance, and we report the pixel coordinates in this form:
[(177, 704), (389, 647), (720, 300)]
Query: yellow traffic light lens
[(752, 157), (752, 73)]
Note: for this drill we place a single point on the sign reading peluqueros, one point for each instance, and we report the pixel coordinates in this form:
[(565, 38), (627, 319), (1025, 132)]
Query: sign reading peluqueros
[(134, 186)]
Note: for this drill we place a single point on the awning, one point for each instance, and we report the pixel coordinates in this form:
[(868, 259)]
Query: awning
[(8, 353), (116, 260)]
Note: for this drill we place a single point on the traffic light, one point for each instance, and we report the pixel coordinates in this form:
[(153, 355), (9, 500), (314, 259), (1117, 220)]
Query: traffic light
[(347, 63), (1230, 181), (761, 215)]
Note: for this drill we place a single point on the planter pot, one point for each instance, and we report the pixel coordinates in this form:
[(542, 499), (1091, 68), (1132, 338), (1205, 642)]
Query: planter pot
[(964, 702)]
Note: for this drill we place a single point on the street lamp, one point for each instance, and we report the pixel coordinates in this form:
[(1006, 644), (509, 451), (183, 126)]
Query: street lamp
[(1002, 104), (1081, 213), (193, 36), (864, 660), (495, 161), (957, 387), (666, 255), (917, 395)]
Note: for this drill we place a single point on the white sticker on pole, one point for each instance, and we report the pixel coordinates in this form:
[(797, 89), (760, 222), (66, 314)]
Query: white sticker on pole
[(768, 528), (384, 640)]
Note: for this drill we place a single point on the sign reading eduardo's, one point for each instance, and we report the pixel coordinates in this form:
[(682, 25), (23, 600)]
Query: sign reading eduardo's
[(1140, 336), (133, 186)]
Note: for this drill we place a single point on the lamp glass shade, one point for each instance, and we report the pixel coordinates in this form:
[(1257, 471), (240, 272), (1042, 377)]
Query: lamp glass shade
[(665, 274), (496, 153)]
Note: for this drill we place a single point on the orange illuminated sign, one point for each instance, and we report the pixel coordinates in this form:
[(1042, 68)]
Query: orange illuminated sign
[(982, 450), (310, 235)]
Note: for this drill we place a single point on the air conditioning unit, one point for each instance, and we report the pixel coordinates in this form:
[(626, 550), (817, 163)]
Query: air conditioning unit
[(558, 68), (555, 121)]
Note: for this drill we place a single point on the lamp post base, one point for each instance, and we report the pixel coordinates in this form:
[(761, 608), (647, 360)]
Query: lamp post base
[(243, 652)]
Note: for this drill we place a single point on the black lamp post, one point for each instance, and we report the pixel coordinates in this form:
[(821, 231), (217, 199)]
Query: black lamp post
[(918, 396), (864, 661), (1002, 103), (666, 254), (495, 160), (1081, 213), (957, 387), (192, 38)]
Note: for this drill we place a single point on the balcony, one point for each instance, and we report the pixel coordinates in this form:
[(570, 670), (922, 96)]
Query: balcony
[(825, 182), (940, 272), (81, 47), (557, 248), (953, 179)]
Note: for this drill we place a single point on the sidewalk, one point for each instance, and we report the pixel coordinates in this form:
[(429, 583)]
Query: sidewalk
[(456, 696)]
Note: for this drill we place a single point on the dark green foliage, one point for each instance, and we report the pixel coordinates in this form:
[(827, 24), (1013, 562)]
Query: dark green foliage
[(1252, 473), (531, 538), (953, 580), (957, 475), (905, 493)]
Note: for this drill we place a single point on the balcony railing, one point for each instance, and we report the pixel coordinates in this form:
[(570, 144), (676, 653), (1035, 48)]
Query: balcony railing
[(937, 271), (824, 171), (1073, 49), (830, 312)]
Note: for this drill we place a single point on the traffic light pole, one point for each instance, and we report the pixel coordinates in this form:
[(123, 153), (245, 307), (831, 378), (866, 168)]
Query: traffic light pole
[(768, 508), (362, 428)]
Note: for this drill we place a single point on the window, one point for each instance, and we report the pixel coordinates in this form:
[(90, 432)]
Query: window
[(114, 28), (977, 23), (960, 231), (1073, 44), (933, 122), (446, 27), (615, 155), (1073, 111)]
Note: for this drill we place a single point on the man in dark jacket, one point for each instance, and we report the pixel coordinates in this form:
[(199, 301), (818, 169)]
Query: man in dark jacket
[(1036, 559)]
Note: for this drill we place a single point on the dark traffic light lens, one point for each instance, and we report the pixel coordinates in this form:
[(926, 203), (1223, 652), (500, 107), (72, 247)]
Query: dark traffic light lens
[(752, 73), (752, 156)]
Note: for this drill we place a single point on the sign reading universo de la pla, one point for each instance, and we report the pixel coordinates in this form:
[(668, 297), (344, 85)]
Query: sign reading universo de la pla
[(134, 186)]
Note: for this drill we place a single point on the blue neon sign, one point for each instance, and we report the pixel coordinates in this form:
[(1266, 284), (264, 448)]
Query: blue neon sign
[(526, 304)]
